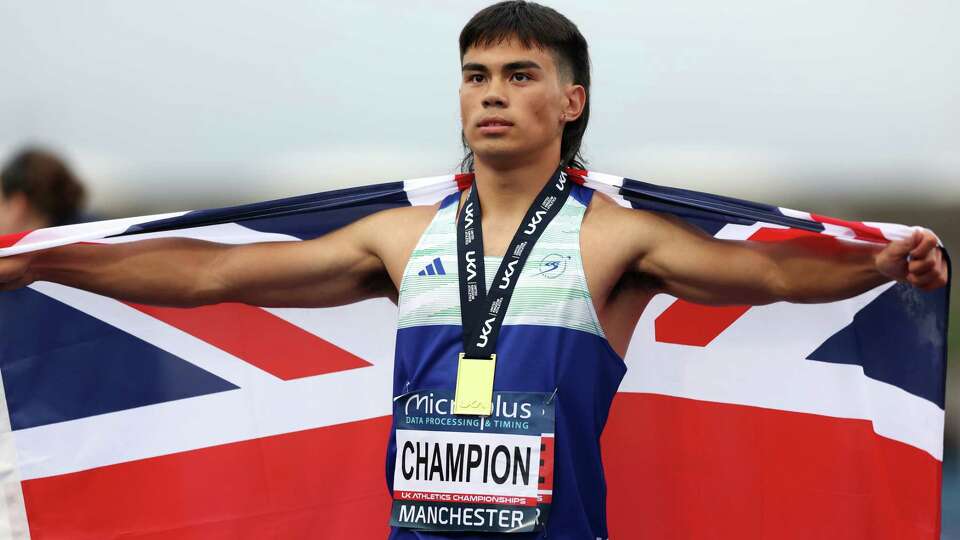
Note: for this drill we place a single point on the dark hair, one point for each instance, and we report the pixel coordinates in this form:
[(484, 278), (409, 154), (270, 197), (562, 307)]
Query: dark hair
[(536, 26), (47, 183)]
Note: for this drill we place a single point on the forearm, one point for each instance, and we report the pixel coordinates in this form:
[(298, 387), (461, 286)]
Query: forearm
[(805, 275), (166, 271)]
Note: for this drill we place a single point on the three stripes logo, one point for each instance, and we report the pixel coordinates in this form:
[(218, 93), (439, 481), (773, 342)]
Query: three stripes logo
[(433, 269)]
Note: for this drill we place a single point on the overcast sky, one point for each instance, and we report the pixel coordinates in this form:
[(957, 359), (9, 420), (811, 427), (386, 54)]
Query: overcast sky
[(182, 101)]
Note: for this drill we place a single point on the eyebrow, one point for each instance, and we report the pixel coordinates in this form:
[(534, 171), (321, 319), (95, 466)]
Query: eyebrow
[(511, 66)]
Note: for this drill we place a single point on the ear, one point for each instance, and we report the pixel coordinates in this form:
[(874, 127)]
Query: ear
[(575, 99)]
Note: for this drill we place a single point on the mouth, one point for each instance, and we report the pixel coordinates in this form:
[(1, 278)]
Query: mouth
[(494, 126)]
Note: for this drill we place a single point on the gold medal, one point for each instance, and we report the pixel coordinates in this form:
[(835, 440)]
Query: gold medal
[(474, 393)]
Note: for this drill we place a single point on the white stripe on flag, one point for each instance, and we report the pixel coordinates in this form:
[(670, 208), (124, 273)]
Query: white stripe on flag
[(13, 512), (430, 190), (81, 232)]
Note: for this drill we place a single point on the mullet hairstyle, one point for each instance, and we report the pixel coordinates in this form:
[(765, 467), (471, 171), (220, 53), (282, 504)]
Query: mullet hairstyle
[(538, 26)]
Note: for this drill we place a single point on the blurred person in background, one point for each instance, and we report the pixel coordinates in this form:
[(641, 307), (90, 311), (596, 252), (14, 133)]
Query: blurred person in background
[(38, 189)]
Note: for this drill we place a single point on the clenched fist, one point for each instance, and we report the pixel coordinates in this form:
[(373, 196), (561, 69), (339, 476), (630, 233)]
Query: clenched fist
[(915, 260)]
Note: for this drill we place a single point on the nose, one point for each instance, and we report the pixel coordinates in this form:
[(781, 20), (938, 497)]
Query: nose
[(495, 96), (494, 101)]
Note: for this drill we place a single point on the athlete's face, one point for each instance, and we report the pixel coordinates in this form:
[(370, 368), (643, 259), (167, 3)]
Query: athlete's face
[(514, 103)]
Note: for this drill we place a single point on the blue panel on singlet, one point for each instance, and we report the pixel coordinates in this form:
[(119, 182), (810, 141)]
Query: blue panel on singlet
[(584, 370)]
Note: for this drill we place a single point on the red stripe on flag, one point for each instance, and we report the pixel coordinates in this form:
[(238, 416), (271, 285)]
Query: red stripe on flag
[(464, 180), (319, 483), (680, 468), (861, 230), (686, 323), (577, 175), (259, 337), (769, 234), (819, 243), (7, 240)]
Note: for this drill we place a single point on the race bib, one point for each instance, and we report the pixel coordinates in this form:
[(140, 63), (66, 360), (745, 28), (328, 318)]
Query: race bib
[(470, 473)]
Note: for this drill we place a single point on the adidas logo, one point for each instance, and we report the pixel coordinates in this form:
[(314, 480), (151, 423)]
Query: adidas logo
[(433, 269)]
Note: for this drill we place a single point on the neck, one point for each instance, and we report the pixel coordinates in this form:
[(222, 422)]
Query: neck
[(507, 192)]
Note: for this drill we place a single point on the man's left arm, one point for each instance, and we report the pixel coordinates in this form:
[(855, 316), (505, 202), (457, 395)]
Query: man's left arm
[(693, 266)]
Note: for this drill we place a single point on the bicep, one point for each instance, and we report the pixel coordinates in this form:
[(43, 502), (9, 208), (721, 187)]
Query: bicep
[(696, 267), (337, 268)]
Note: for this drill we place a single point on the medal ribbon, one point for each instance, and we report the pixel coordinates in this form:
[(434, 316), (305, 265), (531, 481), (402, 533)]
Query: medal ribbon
[(481, 311)]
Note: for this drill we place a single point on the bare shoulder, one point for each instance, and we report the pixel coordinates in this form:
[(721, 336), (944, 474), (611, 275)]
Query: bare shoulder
[(614, 239), (605, 212), (613, 226), (603, 208), (606, 236), (605, 219), (388, 228), (405, 218), (393, 234)]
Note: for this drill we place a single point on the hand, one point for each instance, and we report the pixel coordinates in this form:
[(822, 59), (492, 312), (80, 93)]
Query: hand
[(14, 272), (916, 260)]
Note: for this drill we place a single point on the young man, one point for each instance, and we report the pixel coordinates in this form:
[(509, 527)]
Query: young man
[(559, 343)]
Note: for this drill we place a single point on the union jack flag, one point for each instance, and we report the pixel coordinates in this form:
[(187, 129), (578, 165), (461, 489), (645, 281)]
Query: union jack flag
[(231, 421)]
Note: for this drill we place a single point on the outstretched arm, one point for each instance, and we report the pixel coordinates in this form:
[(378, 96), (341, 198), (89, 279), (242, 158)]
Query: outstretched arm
[(341, 267), (696, 267)]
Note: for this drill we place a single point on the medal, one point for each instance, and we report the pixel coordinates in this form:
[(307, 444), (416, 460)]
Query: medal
[(474, 385)]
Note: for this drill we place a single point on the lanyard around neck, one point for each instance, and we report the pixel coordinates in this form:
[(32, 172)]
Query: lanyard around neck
[(481, 311)]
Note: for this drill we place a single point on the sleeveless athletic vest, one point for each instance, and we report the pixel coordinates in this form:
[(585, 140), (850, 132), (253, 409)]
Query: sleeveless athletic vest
[(551, 340)]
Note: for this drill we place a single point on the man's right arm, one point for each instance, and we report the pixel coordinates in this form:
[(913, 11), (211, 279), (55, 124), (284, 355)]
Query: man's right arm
[(337, 268)]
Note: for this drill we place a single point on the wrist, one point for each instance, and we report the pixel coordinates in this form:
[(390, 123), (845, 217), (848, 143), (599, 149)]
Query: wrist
[(877, 259), (888, 265)]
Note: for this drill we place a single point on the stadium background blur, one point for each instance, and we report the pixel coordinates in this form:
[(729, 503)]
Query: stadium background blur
[(839, 107)]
